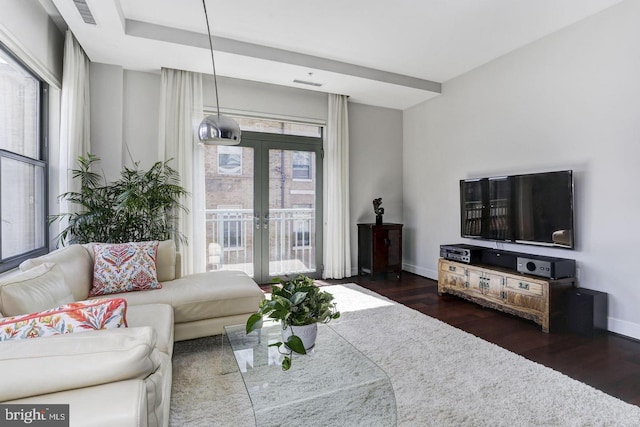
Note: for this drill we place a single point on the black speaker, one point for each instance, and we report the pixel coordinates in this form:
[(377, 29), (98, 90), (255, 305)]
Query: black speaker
[(499, 258), (554, 268), (586, 311)]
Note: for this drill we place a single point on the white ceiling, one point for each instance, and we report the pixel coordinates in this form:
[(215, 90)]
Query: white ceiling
[(390, 54)]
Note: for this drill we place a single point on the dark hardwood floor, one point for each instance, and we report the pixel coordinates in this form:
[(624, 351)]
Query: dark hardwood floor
[(606, 361)]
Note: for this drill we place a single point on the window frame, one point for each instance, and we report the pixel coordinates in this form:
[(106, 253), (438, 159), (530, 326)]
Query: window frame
[(42, 161)]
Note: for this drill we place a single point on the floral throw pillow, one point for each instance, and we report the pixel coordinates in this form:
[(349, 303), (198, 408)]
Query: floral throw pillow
[(73, 317), (124, 267)]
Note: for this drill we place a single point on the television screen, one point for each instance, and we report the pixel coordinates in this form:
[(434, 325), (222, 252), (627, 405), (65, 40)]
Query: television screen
[(544, 208), (532, 208)]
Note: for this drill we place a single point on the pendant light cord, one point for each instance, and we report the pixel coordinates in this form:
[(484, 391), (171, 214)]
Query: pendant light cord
[(213, 62)]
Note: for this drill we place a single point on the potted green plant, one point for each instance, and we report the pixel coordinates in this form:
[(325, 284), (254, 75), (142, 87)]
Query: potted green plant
[(140, 206), (299, 305)]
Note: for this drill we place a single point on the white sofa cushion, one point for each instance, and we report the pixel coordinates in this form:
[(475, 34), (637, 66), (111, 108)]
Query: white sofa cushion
[(159, 317), (158, 387), (166, 261), (40, 288), (203, 296), (64, 362), (87, 406), (76, 265)]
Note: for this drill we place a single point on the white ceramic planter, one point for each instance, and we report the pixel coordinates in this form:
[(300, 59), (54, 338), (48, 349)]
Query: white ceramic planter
[(306, 333)]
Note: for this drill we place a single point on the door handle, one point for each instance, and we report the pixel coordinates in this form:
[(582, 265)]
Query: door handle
[(266, 221), (256, 217)]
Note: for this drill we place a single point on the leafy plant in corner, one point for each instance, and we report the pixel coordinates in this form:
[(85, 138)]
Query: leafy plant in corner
[(140, 206), (294, 302)]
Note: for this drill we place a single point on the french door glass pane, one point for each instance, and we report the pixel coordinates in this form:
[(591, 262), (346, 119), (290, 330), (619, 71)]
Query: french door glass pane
[(22, 210), (292, 212), (229, 202)]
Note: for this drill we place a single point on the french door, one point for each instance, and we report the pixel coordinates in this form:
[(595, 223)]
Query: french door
[(264, 212)]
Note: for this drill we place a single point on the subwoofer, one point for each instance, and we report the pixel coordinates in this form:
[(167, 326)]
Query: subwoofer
[(586, 311)]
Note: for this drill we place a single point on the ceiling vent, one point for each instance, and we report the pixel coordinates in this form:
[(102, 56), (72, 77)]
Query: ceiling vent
[(304, 82), (84, 11)]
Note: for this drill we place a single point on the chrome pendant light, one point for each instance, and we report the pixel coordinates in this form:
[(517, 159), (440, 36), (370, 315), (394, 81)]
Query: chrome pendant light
[(217, 129)]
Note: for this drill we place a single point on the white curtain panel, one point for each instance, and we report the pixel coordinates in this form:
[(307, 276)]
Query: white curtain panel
[(74, 117), (337, 240), (181, 111)]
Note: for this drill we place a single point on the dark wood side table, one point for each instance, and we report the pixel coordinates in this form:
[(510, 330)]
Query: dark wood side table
[(380, 249)]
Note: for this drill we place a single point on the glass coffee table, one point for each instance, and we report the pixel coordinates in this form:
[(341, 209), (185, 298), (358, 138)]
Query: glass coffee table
[(333, 384)]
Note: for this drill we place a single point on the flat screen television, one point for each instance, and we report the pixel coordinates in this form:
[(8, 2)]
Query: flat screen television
[(534, 209)]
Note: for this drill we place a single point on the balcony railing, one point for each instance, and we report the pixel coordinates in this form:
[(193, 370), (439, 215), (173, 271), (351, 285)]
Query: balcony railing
[(291, 234)]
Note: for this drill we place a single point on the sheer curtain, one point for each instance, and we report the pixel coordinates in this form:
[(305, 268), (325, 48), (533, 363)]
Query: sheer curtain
[(181, 111), (337, 240), (74, 116)]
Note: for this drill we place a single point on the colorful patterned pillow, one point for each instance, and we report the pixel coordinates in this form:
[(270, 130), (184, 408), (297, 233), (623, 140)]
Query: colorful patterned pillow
[(74, 317), (124, 267)]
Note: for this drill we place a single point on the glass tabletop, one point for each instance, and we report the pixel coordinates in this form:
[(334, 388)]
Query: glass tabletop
[(333, 384)]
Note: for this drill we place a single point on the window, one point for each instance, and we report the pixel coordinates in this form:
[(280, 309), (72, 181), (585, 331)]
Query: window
[(301, 233), (231, 227), (229, 160), (302, 215), (301, 165), (23, 167), (232, 230)]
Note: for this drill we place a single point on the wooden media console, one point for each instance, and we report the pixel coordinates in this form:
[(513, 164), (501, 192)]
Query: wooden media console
[(539, 299)]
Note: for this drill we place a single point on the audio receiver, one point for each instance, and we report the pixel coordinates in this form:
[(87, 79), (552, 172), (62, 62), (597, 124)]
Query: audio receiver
[(461, 253)]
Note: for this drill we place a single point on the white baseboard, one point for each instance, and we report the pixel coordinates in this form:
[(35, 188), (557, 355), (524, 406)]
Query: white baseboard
[(420, 271), (624, 327)]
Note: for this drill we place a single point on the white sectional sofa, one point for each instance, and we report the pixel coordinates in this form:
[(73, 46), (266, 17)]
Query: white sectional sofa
[(116, 376)]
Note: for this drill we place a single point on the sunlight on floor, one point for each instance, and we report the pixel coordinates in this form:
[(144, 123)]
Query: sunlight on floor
[(354, 300), (348, 299)]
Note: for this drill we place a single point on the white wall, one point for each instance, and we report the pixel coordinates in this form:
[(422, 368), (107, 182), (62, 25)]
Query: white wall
[(141, 103), (107, 117), (568, 101), (255, 97), (375, 167)]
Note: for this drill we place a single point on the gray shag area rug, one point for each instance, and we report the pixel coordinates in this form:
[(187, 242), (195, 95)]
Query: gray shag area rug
[(441, 376)]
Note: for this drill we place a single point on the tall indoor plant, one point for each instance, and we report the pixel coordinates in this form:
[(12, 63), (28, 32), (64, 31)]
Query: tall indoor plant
[(299, 305), (139, 206)]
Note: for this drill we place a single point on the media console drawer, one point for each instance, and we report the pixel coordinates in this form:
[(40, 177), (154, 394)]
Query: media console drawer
[(525, 286), (540, 300)]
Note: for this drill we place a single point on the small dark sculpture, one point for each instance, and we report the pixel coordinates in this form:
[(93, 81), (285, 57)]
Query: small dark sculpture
[(378, 210)]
